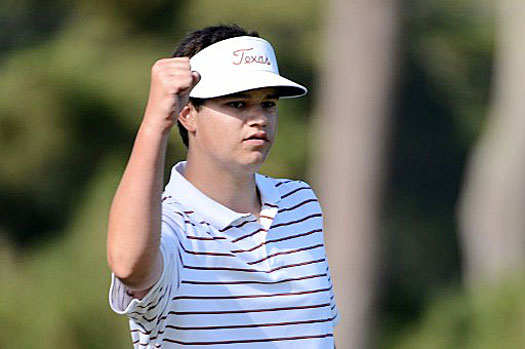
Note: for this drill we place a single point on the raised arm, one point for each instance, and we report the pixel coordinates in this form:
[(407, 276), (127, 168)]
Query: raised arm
[(134, 219)]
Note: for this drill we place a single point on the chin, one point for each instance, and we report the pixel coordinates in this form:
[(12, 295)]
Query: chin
[(254, 162)]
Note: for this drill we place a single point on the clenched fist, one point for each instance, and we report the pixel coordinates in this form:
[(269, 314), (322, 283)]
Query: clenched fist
[(171, 83)]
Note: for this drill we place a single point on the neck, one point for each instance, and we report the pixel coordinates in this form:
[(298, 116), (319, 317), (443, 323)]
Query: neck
[(235, 190)]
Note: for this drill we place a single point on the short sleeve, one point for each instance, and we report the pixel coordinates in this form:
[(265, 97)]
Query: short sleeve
[(334, 313), (145, 313), (333, 306)]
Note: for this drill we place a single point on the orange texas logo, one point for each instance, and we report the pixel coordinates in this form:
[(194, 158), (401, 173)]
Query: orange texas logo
[(241, 56)]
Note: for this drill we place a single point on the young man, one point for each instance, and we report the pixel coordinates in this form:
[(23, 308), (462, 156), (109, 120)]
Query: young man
[(225, 256)]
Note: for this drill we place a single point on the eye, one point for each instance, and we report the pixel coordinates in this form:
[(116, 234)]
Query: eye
[(236, 104), (268, 104)]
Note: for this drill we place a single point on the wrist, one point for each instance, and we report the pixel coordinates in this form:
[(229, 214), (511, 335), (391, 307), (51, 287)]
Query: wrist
[(152, 124), (154, 130)]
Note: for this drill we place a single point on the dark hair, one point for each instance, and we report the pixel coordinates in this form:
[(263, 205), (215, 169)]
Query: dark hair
[(198, 40)]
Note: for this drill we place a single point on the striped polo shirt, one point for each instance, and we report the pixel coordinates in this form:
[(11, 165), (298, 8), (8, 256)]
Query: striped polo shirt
[(232, 281)]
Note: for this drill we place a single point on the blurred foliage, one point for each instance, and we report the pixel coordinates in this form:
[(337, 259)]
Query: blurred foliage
[(485, 318), (444, 85), (56, 297), (75, 78)]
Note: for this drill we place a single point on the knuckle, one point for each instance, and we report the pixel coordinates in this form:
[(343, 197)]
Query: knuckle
[(156, 68), (160, 64)]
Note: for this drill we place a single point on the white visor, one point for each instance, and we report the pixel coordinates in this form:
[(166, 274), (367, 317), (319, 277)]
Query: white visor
[(240, 64)]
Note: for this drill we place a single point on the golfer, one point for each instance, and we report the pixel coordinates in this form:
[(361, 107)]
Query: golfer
[(223, 256)]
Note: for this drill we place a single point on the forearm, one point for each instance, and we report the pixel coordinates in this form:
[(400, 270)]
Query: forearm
[(134, 220)]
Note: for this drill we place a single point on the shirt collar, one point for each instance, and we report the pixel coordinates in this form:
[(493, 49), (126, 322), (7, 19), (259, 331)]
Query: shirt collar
[(210, 210), (267, 189)]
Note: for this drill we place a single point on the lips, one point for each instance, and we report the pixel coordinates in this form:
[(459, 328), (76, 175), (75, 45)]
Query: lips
[(260, 136)]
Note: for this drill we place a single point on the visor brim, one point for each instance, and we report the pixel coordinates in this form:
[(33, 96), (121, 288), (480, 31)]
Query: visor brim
[(222, 85)]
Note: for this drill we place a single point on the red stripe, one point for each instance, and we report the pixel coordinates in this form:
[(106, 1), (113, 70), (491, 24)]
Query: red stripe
[(285, 252), (248, 235), (237, 226), (194, 282), (206, 237), (150, 306), (200, 253), (150, 303), (277, 226), (293, 192), (328, 335), (188, 222), (277, 240), (179, 213), (271, 324), (242, 311), (304, 322), (218, 254), (271, 205), (281, 183), (297, 221), (253, 295), (298, 205), (245, 222), (255, 270), (248, 340)]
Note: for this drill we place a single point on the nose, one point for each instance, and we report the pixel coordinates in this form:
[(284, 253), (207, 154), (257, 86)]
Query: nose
[(257, 116)]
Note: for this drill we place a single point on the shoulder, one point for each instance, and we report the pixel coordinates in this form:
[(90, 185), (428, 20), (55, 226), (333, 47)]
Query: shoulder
[(174, 215), (294, 193), (292, 189)]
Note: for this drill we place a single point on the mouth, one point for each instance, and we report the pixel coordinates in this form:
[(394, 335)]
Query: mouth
[(258, 138)]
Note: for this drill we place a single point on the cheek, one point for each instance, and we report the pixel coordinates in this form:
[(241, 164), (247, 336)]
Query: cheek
[(272, 126), (216, 135)]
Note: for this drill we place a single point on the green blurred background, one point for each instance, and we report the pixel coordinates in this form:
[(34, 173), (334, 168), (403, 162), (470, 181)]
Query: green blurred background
[(74, 77)]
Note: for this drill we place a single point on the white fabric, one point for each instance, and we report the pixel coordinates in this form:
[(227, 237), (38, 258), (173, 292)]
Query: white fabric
[(239, 64), (231, 281)]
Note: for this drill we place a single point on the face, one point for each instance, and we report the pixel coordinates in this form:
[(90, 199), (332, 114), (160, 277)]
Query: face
[(236, 132)]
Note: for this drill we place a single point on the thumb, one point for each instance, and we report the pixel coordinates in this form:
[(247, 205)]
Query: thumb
[(196, 78), (186, 91)]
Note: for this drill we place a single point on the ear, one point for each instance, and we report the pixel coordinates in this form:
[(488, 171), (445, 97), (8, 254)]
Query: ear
[(187, 117)]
